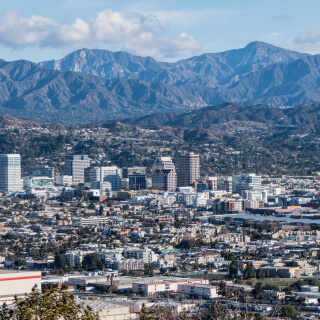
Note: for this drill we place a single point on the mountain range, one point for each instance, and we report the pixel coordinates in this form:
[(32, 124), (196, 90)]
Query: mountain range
[(99, 85), (210, 69)]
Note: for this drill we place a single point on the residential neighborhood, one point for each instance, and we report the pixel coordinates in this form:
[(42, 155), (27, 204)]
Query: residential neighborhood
[(122, 239)]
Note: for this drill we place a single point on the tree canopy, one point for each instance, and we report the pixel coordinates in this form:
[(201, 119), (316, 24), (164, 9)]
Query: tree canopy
[(51, 304)]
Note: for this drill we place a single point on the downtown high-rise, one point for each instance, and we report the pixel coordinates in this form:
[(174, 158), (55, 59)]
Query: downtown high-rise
[(10, 173), (164, 175), (104, 174), (189, 169), (75, 165)]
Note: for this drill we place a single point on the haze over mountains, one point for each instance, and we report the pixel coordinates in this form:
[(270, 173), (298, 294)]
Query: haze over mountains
[(99, 85)]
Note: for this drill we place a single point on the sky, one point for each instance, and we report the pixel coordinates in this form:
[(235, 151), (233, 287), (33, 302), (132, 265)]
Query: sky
[(167, 30)]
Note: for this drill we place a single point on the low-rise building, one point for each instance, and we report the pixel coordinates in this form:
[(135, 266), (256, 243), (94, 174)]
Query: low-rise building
[(164, 286), (200, 290), (17, 283)]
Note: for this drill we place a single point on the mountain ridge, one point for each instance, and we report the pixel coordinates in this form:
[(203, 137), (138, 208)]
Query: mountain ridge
[(228, 116), (208, 69), (246, 76)]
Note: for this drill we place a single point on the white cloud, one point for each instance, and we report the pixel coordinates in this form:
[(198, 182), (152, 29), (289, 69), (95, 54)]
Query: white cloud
[(139, 33), (16, 31), (182, 44), (143, 44), (77, 32), (308, 41), (112, 26), (148, 45)]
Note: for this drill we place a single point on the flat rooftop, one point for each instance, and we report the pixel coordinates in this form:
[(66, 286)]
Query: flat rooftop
[(16, 271), (166, 280)]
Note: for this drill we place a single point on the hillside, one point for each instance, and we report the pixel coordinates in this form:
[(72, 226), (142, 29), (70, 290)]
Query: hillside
[(32, 92), (232, 117)]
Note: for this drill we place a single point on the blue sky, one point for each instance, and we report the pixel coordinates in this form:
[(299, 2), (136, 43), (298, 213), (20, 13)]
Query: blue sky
[(167, 30)]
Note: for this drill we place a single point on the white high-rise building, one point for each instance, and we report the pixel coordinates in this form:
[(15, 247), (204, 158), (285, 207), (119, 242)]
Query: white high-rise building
[(164, 175), (110, 174), (10, 173), (75, 165), (245, 182)]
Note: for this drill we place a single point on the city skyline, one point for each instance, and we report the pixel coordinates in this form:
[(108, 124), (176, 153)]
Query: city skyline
[(160, 159)]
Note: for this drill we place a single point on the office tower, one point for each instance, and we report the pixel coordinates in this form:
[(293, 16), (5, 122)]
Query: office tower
[(131, 170), (137, 181), (111, 174), (41, 171), (164, 175), (246, 181), (10, 173), (189, 169), (75, 165)]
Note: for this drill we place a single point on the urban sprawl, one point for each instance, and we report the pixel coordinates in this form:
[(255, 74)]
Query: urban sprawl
[(124, 240)]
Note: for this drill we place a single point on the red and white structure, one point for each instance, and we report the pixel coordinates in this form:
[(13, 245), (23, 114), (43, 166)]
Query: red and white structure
[(17, 283), (158, 287)]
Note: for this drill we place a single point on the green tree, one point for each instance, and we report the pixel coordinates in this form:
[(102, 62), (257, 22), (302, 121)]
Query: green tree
[(260, 274), (148, 269), (92, 261), (289, 311), (249, 271), (233, 270), (257, 289), (222, 288), (59, 261), (144, 314), (20, 263), (50, 304)]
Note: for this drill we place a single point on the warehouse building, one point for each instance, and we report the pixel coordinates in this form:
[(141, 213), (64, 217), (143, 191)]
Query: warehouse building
[(17, 283), (198, 290), (164, 286)]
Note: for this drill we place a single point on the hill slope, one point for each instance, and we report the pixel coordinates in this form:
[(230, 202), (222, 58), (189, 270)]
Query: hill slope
[(32, 92), (232, 117)]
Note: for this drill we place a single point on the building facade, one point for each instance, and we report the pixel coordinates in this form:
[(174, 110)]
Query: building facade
[(245, 181), (164, 175), (75, 165), (157, 287), (18, 283), (189, 169), (137, 181), (108, 174), (64, 180), (132, 170), (41, 171), (10, 173)]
